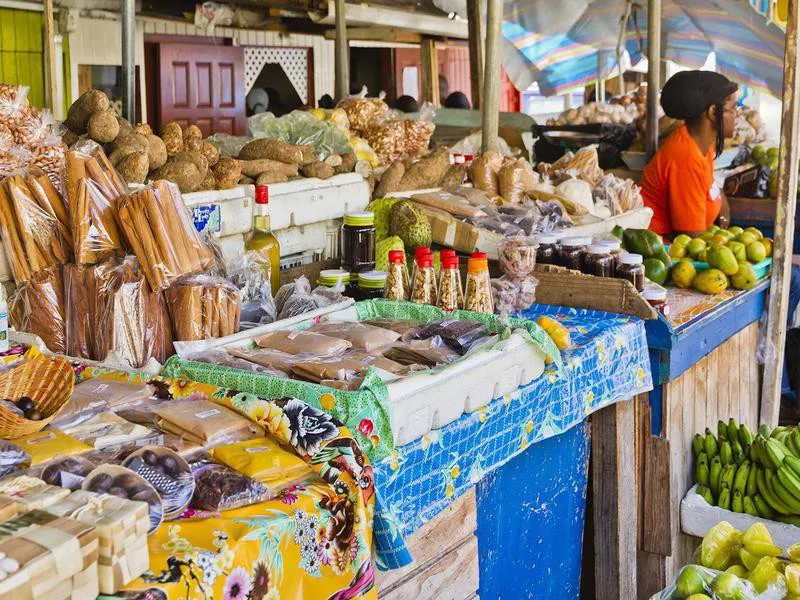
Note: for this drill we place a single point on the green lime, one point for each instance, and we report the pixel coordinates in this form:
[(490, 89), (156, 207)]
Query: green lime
[(655, 270)]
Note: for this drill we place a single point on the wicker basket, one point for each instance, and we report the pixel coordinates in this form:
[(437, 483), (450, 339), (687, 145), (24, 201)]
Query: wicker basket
[(46, 380)]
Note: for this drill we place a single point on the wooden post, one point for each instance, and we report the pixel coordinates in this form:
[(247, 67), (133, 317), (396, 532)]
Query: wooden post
[(475, 23), (341, 56), (50, 57), (653, 73), (128, 60), (614, 500), (429, 71), (491, 76), (600, 86), (784, 226)]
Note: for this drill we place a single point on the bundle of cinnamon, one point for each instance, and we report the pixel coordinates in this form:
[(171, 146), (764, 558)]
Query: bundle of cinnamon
[(82, 287), (38, 307), (131, 320), (156, 222), (203, 307), (34, 238), (92, 187)]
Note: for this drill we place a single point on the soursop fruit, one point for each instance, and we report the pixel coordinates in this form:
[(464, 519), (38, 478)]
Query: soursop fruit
[(410, 225), (382, 250), (382, 208)]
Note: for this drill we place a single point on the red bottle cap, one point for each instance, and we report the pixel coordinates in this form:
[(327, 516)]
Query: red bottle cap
[(478, 255), (262, 194), (421, 251), (447, 252), (449, 262), (397, 257), (425, 261)]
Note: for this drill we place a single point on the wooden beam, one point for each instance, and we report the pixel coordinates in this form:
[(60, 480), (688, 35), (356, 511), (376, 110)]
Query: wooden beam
[(429, 72), (491, 76), (653, 74), (342, 58), (614, 501), (475, 22), (784, 226), (379, 34), (50, 79)]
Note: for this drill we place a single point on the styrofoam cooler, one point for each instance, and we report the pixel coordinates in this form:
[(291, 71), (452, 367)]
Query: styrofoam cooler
[(306, 201)]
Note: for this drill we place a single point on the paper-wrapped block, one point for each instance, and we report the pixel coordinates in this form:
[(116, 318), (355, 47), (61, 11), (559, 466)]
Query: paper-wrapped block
[(8, 509), (51, 552), (30, 493), (122, 527)]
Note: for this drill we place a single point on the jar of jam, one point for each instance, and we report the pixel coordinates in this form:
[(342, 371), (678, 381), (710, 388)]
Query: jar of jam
[(615, 248), (370, 285), (657, 298), (632, 269), (598, 261), (547, 252), (358, 242), (334, 278), (571, 252)]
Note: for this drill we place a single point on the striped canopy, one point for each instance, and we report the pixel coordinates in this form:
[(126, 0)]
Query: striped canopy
[(561, 44)]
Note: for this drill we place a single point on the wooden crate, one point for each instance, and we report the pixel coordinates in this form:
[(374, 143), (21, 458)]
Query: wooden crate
[(445, 552), (723, 384)]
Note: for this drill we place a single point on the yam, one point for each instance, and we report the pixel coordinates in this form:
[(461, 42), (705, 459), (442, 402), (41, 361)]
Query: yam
[(172, 134), (103, 126), (318, 169), (143, 129), (348, 163), (209, 183), (271, 177), (192, 144), (390, 180), (183, 173), (134, 167), (196, 158), (192, 132), (227, 172), (334, 160), (309, 154), (272, 149), (83, 108), (69, 137), (254, 168), (455, 175), (211, 152), (125, 128), (427, 172), (156, 152), (126, 146), (245, 180)]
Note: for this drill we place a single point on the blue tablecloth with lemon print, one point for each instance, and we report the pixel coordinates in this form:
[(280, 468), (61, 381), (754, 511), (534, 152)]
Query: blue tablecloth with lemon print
[(608, 362)]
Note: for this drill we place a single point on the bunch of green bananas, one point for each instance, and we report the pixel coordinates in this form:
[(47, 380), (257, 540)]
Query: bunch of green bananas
[(758, 475)]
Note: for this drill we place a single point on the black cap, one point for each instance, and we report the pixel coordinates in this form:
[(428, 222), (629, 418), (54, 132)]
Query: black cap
[(688, 94)]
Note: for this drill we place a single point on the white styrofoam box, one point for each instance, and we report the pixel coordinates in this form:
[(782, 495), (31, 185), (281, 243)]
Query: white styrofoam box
[(232, 246), (421, 402), (698, 517), (224, 212), (306, 201), (321, 237)]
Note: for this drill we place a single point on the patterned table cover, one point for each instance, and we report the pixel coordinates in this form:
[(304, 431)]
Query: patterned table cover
[(608, 362)]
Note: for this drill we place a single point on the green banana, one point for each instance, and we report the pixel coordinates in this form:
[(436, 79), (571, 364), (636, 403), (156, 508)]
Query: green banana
[(793, 520), (733, 429), (762, 506), (752, 487), (785, 496), (726, 478), (705, 493), (701, 470), (722, 431), (737, 504), (791, 444), (745, 436), (712, 447), (779, 430), (714, 472), (750, 506), (740, 479), (793, 463), (724, 501), (764, 487), (726, 453), (782, 445), (698, 444), (773, 453), (764, 430), (790, 481), (737, 452), (754, 456)]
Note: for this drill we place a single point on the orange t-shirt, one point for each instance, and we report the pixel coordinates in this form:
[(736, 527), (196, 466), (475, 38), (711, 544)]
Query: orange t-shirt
[(678, 184)]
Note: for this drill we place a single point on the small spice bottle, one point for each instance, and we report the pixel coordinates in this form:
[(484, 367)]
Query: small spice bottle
[(615, 248), (598, 261), (571, 252), (547, 252), (397, 286), (632, 269), (657, 298), (423, 290), (419, 253), (358, 242), (370, 285), (451, 294), (478, 295)]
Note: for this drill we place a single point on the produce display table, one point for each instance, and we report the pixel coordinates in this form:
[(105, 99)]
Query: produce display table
[(759, 212), (528, 448), (704, 366)]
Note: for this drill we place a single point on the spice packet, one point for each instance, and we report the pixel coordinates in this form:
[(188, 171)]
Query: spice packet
[(338, 368), (203, 421), (107, 429), (269, 359), (302, 342), (49, 443), (265, 461), (218, 487), (361, 335), (459, 334)]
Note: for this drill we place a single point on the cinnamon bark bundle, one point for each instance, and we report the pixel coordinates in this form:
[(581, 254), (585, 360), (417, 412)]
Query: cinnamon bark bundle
[(156, 222), (131, 320), (38, 307), (93, 187), (203, 307), (82, 288), (33, 237)]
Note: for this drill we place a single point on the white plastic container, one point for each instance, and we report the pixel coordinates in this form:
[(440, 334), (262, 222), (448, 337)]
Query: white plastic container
[(223, 212), (306, 201)]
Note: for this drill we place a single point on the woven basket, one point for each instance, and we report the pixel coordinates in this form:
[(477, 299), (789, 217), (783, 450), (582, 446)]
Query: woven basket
[(46, 380)]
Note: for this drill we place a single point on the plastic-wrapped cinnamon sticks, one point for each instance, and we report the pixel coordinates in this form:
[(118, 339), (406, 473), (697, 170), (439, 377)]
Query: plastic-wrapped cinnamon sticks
[(37, 306), (203, 307)]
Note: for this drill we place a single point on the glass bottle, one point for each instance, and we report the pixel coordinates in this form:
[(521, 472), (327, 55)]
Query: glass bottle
[(450, 295), (358, 242), (263, 242), (397, 285), (478, 295), (632, 269)]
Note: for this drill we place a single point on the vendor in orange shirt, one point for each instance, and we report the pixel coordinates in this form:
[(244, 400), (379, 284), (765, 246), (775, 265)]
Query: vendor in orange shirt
[(678, 182)]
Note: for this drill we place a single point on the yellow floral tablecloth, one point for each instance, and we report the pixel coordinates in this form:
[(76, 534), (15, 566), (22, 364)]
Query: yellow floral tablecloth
[(313, 540)]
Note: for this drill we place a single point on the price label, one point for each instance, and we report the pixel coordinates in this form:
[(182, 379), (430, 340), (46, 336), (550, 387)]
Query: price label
[(206, 217)]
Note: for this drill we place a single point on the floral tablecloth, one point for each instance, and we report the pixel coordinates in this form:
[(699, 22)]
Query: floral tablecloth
[(607, 362)]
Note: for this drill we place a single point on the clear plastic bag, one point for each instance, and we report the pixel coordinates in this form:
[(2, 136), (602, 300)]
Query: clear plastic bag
[(362, 111), (513, 295), (250, 274), (203, 307), (459, 334), (38, 307), (225, 359), (362, 336), (485, 170), (219, 487), (514, 179), (228, 145), (301, 128), (302, 342), (694, 579)]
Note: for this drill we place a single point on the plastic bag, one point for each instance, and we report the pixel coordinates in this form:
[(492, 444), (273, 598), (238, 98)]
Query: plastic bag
[(38, 307), (228, 145), (164, 239), (250, 274), (297, 298), (484, 172), (219, 487), (336, 368), (694, 579), (265, 461), (471, 145), (223, 358), (459, 334), (301, 128), (12, 458), (131, 320), (362, 111), (513, 295), (619, 195), (362, 336), (82, 287), (203, 307), (302, 342), (204, 422), (514, 179)]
